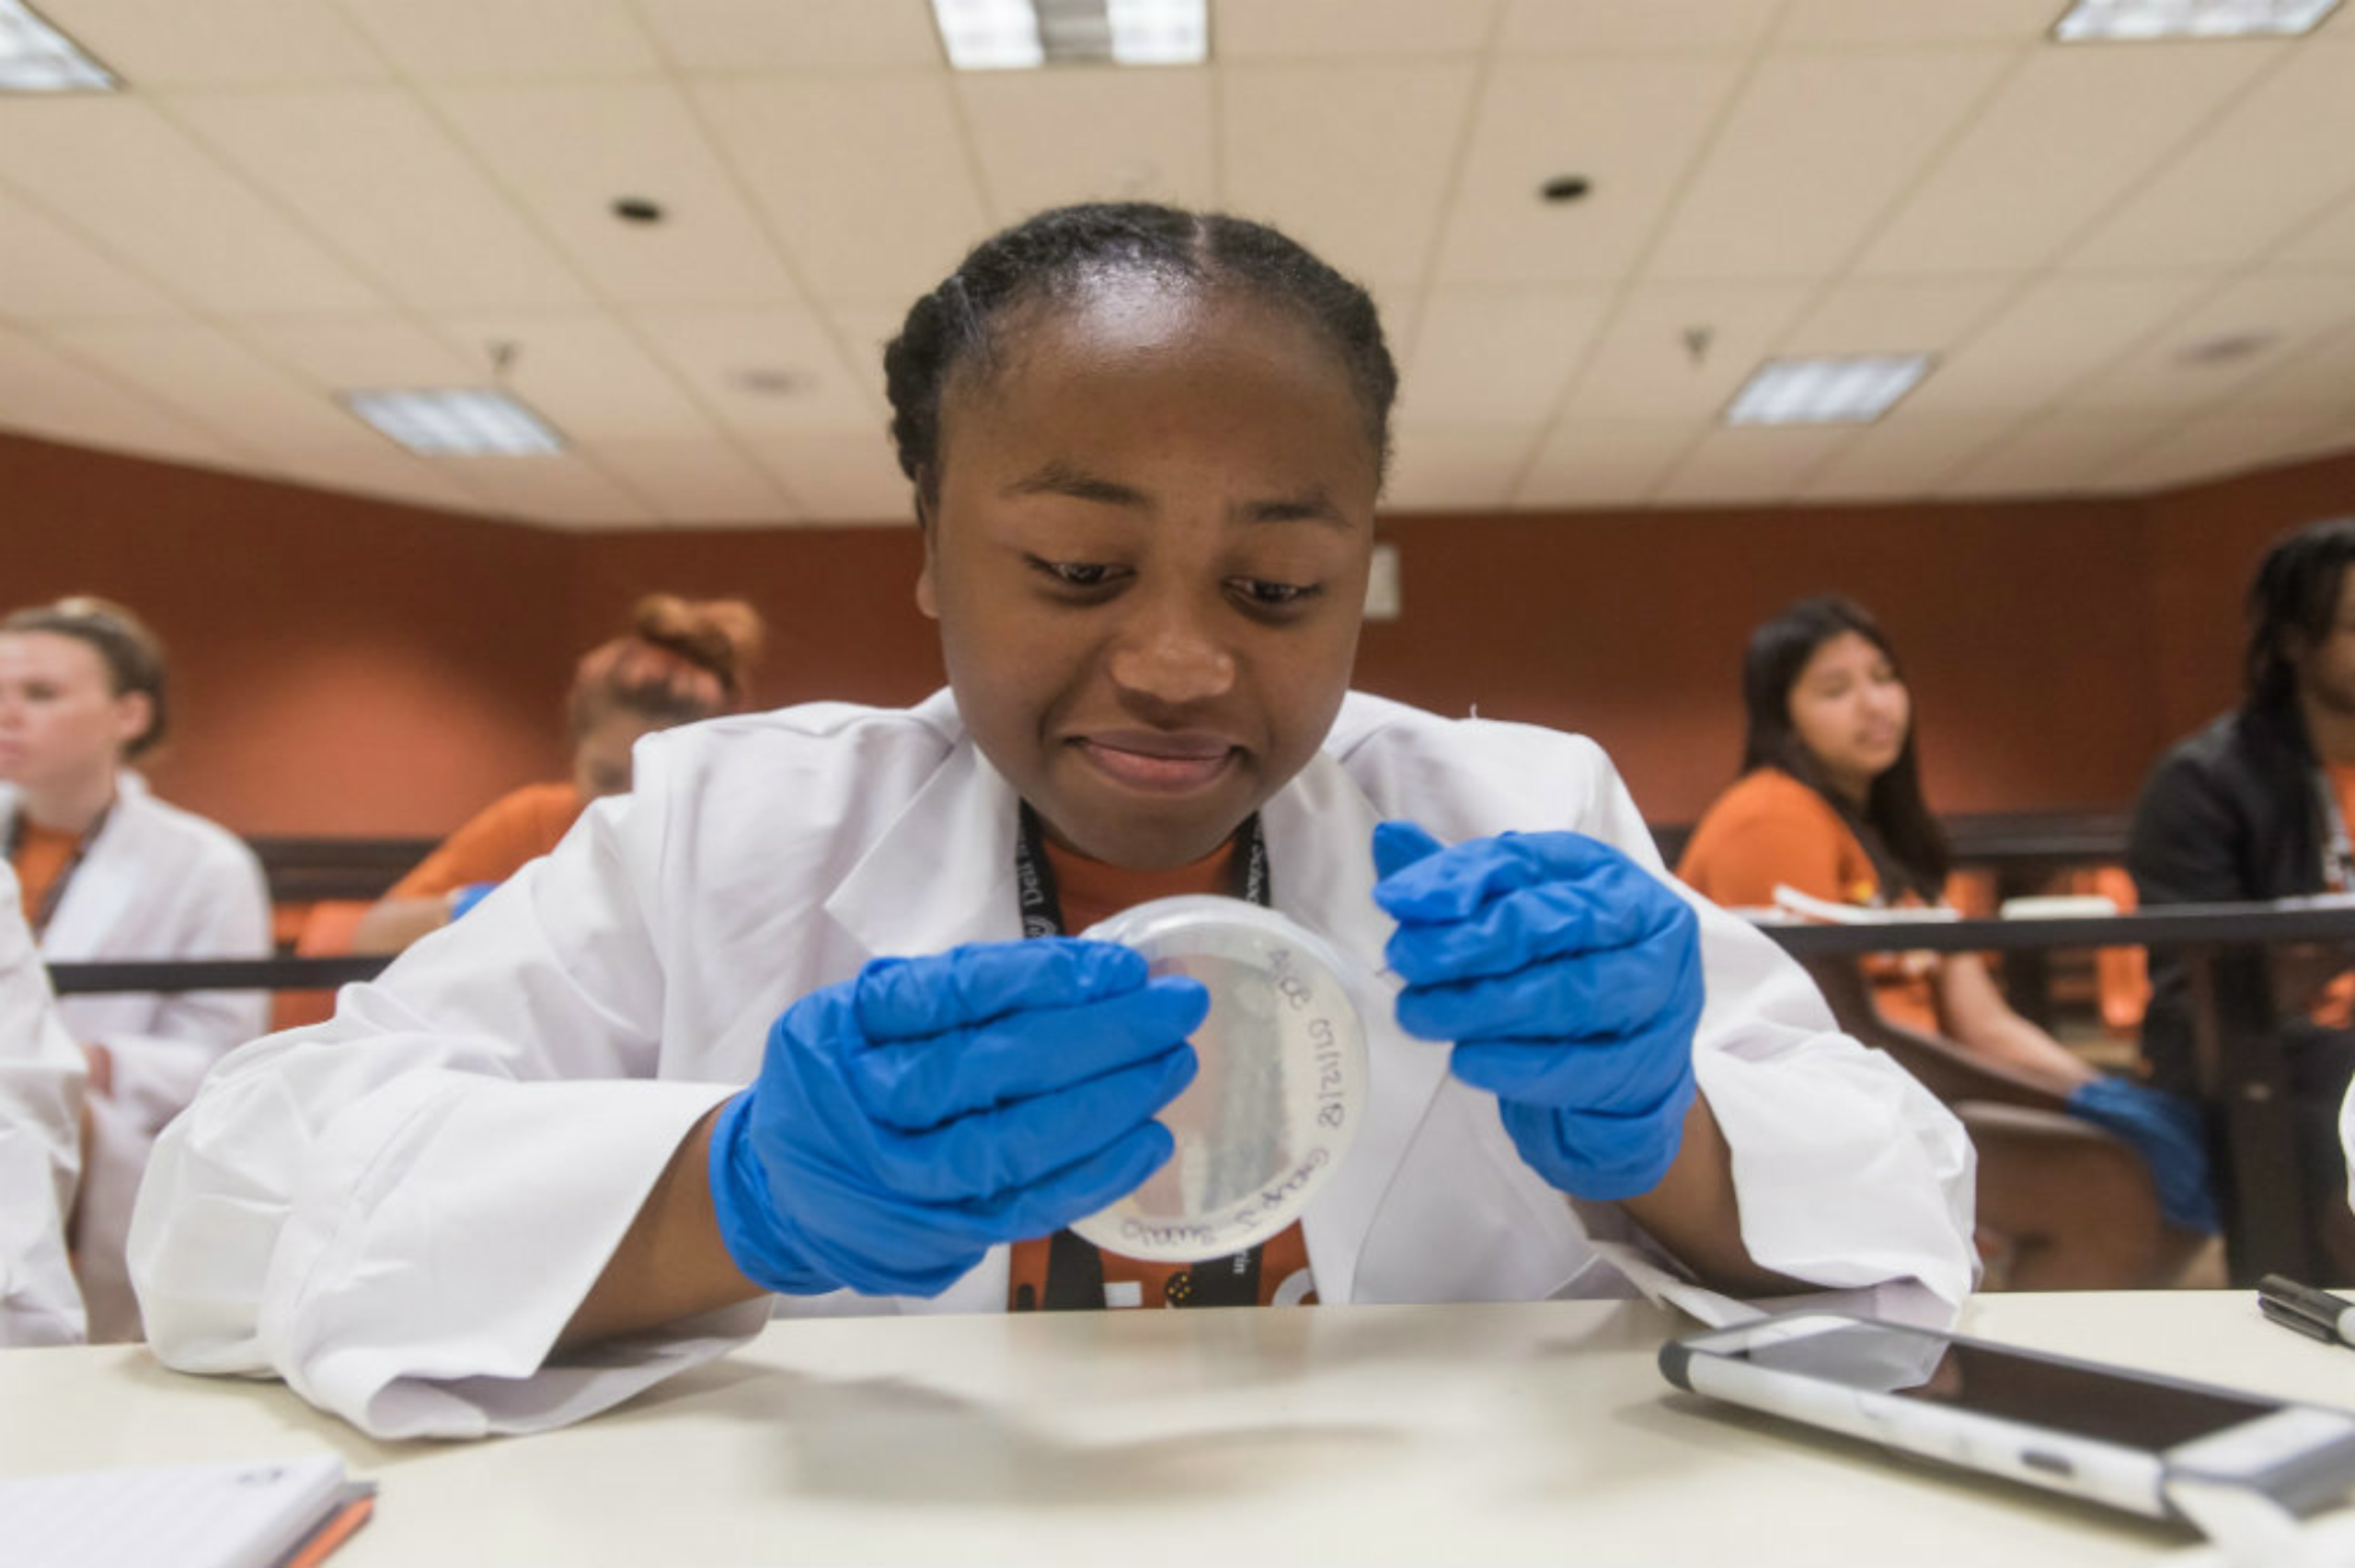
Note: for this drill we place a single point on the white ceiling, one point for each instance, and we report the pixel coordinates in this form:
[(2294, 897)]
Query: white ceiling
[(298, 195)]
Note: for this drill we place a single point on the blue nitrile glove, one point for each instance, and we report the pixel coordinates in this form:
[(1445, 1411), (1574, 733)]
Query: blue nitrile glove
[(467, 898), (906, 1120), (1570, 979), (2166, 1130)]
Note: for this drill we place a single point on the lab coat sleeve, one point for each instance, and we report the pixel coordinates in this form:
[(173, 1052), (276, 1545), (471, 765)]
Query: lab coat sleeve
[(1849, 1174), (399, 1211), (40, 1107)]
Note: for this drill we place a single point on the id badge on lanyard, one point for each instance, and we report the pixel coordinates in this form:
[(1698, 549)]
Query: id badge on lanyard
[(2337, 851)]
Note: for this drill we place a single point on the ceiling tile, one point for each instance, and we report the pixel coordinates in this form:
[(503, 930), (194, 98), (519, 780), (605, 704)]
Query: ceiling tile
[(1917, 21), (805, 34), (519, 39), (1540, 26), (566, 489), (49, 272), (2279, 158), (1352, 161), (2223, 444), (2331, 239), (839, 478), (1442, 469), (1497, 357), (1925, 315), (1045, 139), (887, 224), (124, 176), (214, 381), (1813, 154), (376, 175), (690, 482), (2057, 453), (2296, 310), (713, 351), (586, 375), (1329, 29), (1751, 464), (352, 353), (1646, 368), (2054, 336), (384, 471), (1606, 462), (2320, 375), (43, 393), (2065, 139), (567, 151), (1630, 126), (1904, 458), (152, 44)]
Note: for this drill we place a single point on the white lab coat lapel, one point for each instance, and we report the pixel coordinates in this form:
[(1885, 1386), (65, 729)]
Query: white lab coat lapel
[(98, 916), (1320, 861), (942, 874)]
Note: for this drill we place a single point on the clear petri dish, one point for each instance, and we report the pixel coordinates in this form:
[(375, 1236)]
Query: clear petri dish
[(1282, 1085)]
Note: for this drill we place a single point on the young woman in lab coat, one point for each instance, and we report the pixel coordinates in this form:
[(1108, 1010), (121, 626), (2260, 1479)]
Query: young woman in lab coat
[(108, 871), (42, 1073), (768, 1033)]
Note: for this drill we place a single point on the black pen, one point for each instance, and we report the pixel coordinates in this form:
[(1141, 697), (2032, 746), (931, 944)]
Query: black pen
[(2317, 1314)]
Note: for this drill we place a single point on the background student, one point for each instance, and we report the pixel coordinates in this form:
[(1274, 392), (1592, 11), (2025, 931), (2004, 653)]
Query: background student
[(109, 871), (1830, 803), (681, 660), (770, 1024), (2256, 806), (42, 1073)]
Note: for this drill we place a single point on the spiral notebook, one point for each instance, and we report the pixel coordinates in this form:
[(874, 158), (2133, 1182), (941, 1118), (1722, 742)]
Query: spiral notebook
[(279, 1514)]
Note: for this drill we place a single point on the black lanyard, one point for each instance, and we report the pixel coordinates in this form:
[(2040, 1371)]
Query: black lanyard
[(1075, 1268), (55, 894)]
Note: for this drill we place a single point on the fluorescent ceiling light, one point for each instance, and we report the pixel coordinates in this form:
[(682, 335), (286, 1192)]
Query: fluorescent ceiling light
[(2092, 21), (37, 58), (1002, 35), (456, 422), (1855, 390)]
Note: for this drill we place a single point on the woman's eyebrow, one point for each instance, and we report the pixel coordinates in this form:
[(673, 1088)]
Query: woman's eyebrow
[(1058, 477)]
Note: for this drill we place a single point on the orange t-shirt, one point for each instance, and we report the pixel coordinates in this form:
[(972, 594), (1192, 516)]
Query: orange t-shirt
[(518, 827), (2334, 1008), (41, 857), (1770, 829), (1090, 891)]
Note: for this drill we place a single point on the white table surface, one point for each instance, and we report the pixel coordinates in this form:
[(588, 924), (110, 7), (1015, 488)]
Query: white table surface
[(1482, 1434)]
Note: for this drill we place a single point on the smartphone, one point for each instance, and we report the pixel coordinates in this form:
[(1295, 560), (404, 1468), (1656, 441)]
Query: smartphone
[(2106, 1434)]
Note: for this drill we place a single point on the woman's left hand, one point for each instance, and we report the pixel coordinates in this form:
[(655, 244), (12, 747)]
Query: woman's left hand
[(1569, 978)]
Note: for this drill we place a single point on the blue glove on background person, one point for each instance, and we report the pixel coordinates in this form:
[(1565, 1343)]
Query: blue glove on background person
[(906, 1120), (1569, 980)]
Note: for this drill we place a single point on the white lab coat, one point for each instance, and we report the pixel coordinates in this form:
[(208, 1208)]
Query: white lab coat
[(399, 1211), (41, 1072), (157, 882)]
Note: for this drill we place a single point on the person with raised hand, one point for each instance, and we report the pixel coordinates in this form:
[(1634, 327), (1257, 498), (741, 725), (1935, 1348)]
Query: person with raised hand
[(801, 1026)]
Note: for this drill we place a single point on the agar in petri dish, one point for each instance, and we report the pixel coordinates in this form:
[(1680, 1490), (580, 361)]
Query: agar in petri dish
[(1281, 1089)]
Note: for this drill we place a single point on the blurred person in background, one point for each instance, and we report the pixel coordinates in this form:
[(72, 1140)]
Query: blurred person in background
[(43, 1078)]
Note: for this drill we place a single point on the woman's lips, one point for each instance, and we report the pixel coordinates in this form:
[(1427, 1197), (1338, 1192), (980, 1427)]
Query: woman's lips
[(1169, 766)]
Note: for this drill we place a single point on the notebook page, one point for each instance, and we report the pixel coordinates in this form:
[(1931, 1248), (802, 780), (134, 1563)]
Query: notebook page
[(219, 1515)]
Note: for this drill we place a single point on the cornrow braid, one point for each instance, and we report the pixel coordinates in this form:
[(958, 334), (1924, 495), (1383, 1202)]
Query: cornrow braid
[(951, 330)]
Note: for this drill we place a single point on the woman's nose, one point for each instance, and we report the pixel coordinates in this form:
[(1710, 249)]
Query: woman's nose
[(1168, 656)]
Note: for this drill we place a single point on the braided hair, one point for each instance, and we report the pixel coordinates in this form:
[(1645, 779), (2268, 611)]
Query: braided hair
[(953, 330)]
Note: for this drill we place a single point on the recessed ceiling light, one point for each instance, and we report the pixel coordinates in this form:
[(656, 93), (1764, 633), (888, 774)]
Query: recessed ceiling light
[(37, 58), (2227, 350), (767, 381), (456, 422), (2094, 21), (636, 210), (1003, 35), (1852, 390), (1566, 188)]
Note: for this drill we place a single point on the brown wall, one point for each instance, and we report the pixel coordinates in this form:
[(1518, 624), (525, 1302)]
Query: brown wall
[(358, 668)]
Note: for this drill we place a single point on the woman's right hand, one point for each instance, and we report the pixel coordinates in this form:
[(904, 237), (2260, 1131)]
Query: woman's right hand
[(908, 1119)]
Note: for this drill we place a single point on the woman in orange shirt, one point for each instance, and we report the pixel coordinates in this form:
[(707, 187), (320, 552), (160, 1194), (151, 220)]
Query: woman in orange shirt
[(1830, 805), (679, 661)]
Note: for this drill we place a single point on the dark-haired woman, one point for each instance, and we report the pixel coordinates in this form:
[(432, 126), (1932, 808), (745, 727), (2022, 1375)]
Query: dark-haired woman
[(1830, 804), (681, 660), (109, 871), (792, 1027)]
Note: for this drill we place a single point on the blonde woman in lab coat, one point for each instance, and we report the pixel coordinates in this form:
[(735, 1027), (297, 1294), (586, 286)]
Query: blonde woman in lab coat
[(770, 1035), (108, 871)]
